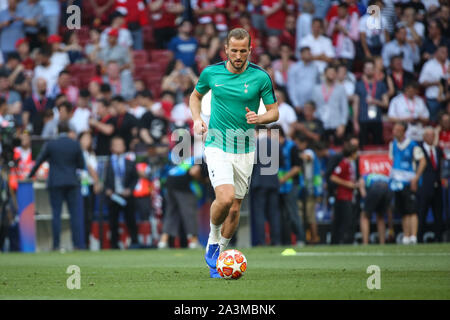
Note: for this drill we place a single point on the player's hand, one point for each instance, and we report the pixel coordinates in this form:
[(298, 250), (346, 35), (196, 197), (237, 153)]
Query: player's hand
[(252, 117), (200, 127), (414, 184)]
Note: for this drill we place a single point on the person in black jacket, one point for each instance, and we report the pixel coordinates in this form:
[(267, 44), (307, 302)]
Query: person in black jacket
[(264, 190), (65, 157), (120, 181), (431, 187)]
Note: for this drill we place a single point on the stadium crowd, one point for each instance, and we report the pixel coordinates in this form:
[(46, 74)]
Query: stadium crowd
[(344, 76)]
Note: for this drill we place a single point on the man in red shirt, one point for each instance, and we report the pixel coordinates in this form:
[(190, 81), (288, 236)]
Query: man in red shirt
[(352, 7), (163, 14), (344, 176), (136, 16), (275, 12)]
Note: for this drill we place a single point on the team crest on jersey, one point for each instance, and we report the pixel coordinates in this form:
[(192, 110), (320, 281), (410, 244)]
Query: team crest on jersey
[(246, 88)]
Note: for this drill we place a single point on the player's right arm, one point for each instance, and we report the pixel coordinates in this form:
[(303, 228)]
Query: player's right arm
[(195, 102)]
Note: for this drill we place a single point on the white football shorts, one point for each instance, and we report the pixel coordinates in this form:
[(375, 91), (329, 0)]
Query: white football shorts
[(230, 168)]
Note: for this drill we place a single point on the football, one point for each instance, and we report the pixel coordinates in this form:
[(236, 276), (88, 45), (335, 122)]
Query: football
[(231, 264)]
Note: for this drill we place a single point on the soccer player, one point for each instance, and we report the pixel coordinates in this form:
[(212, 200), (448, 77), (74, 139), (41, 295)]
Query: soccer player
[(405, 175), (237, 87)]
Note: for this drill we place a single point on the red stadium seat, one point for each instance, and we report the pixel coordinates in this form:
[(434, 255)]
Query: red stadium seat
[(140, 57), (163, 57), (151, 68)]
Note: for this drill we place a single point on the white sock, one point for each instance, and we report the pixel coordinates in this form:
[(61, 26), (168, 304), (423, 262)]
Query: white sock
[(223, 243), (214, 233)]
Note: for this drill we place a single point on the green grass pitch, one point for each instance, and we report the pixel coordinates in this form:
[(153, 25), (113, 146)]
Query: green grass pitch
[(321, 272)]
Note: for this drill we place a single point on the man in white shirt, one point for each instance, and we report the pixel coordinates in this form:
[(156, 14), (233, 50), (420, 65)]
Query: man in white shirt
[(287, 115), (45, 70), (80, 118), (321, 47), (410, 108), (433, 71), (124, 38)]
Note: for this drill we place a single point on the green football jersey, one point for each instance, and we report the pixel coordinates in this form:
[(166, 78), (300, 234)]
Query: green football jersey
[(230, 94)]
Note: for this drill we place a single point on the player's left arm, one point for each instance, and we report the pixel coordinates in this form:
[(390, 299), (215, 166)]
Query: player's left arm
[(270, 116)]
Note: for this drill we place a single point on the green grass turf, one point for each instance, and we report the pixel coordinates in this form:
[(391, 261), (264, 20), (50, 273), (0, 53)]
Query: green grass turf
[(321, 272)]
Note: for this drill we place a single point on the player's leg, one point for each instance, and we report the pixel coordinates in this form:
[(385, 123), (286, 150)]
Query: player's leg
[(230, 224), (381, 228), (364, 225)]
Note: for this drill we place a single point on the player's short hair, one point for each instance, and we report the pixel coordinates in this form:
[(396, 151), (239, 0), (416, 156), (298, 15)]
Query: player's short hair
[(239, 34)]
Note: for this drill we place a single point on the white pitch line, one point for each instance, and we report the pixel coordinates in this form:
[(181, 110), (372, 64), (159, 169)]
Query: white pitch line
[(369, 254)]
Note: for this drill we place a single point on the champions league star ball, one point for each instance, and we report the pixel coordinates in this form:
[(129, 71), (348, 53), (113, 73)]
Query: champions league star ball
[(231, 264)]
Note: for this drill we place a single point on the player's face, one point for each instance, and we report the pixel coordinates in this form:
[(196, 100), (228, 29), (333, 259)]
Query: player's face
[(237, 52)]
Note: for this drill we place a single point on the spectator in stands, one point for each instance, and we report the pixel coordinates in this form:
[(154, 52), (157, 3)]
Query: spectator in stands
[(163, 15), (321, 47), (257, 17), (34, 107), (114, 52), (264, 191), (184, 46), (183, 191), (101, 10), (367, 109), (12, 98), (288, 180), (136, 17), (153, 127), (400, 44), (61, 112), (347, 79), (287, 115), (410, 108), (16, 75), (430, 189), (321, 7), (415, 30), (304, 23), (264, 61), (180, 80), (350, 7), (135, 108), (398, 76), (81, 114), (181, 115), (120, 181), (63, 86), (102, 127), (275, 12), (444, 16), (210, 39), (73, 47), (126, 124), (332, 106), (405, 178), (215, 11), (288, 33), (273, 47), (23, 49), (281, 66), (90, 185), (302, 77), (124, 38), (119, 81), (373, 39), (308, 125), (65, 157), (343, 31), (32, 16), (11, 26), (50, 15), (434, 40), (59, 59), (345, 177), (433, 72), (92, 48)]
